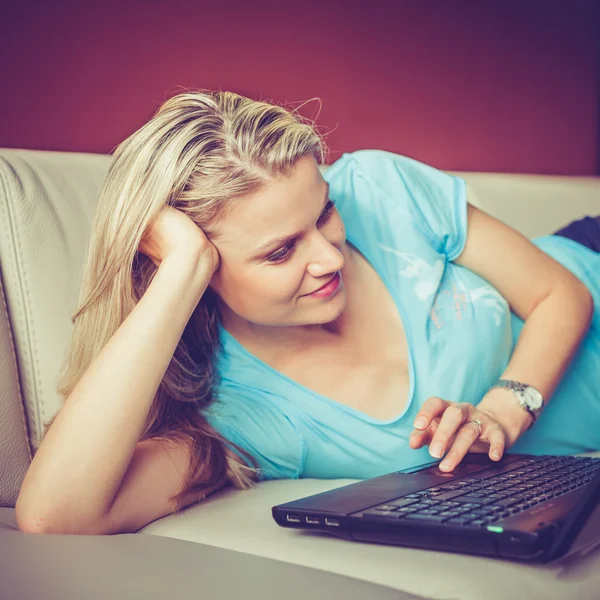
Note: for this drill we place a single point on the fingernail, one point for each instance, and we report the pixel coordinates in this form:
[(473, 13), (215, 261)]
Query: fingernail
[(436, 450), (496, 454), (420, 422), (446, 465)]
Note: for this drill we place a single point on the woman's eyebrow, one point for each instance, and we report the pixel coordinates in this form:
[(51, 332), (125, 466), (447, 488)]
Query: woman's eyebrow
[(286, 239)]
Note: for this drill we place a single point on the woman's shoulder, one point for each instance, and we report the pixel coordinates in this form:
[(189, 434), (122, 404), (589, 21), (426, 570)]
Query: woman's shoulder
[(392, 190), (379, 166), (361, 183)]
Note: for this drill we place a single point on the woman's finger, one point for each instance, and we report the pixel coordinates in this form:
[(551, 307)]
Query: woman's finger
[(432, 407), (497, 440), (452, 419), (466, 436), (418, 438)]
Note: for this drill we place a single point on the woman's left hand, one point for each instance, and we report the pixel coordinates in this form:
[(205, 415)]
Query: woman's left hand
[(448, 427)]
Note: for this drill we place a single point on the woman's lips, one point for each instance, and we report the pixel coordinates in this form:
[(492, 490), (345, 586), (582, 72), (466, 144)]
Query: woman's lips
[(329, 288)]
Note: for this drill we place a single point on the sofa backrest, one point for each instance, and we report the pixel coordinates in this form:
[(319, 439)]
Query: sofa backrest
[(46, 209), (47, 201)]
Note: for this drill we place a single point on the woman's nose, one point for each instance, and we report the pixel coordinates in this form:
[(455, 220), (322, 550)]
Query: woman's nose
[(327, 259)]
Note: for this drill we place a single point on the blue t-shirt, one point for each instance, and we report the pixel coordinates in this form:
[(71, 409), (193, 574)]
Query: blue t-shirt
[(409, 220)]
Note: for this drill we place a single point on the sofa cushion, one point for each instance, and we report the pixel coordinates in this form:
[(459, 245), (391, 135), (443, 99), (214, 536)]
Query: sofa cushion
[(241, 520)]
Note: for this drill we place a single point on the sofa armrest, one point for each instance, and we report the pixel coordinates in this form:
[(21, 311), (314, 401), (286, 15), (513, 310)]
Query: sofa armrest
[(147, 567)]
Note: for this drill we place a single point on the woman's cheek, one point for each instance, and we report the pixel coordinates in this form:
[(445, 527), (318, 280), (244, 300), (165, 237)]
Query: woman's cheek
[(285, 282)]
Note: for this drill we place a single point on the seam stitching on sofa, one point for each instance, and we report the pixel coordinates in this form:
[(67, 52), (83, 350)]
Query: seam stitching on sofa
[(17, 378), (22, 398), (28, 326), (39, 397)]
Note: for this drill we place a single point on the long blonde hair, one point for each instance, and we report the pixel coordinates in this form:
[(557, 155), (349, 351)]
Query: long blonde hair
[(199, 152)]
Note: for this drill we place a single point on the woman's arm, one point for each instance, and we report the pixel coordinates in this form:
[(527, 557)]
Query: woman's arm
[(556, 308), (73, 481), (80, 464), (555, 305)]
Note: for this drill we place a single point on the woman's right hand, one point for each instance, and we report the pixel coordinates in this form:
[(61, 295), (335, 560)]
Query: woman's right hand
[(174, 232)]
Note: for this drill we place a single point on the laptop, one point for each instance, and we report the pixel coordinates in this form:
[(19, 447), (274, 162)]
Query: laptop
[(524, 507)]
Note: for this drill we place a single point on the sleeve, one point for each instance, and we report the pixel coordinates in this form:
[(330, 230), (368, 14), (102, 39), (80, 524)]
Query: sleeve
[(256, 424), (433, 200)]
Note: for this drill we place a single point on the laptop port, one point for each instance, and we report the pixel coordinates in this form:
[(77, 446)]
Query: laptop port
[(292, 518), (313, 521), (332, 522)]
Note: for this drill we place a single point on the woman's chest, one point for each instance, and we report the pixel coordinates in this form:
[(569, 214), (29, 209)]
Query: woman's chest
[(368, 370), (378, 390)]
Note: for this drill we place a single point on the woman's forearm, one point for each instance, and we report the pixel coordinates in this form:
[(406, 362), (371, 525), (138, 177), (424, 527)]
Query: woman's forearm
[(547, 344), (81, 461)]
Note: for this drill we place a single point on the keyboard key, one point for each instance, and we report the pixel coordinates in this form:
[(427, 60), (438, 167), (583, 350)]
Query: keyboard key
[(507, 502), (493, 496), (504, 495), (450, 495), (403, 501), (387, 515), (472, 500), (481, 513), (458, 521), (420, 518)]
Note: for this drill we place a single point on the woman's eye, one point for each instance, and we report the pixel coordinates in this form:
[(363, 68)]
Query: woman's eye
[(326, 212), (286, 252), (283, 254)]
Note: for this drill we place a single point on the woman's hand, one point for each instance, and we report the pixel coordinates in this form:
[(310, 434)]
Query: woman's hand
[(174, 232), (446, 427)]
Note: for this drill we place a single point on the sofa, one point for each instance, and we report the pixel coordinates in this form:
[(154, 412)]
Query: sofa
[(228, 546)]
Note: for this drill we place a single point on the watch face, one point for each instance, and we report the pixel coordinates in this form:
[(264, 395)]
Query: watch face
[(534, 398)]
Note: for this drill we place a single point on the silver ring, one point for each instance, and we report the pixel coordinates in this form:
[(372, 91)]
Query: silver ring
[(477, 422)]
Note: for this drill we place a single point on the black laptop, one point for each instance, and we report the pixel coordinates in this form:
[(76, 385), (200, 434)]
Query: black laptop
[(523, 507)]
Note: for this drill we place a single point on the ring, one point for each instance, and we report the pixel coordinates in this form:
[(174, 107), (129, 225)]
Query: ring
[(477, 422)]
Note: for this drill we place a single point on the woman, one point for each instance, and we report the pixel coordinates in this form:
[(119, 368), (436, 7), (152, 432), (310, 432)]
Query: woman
[(244, 317)]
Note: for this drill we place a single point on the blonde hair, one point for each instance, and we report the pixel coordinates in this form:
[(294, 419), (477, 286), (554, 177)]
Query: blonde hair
[(199, 152)]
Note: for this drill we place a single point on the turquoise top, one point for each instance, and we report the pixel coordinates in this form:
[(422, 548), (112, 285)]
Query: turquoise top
[(409, 221)]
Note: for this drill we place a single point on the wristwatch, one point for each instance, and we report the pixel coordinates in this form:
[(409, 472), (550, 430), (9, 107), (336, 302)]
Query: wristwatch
[(529, 397)]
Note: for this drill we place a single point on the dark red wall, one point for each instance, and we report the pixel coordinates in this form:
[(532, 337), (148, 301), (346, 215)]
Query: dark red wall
[(484, 85)]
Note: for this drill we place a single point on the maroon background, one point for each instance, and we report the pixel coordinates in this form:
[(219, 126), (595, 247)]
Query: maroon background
[(482, 85)]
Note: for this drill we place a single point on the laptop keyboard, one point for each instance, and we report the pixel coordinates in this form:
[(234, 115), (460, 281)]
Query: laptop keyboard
[(492, 495)]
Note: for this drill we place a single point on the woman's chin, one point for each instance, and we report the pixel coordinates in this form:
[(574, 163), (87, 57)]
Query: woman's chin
[(330, 311)]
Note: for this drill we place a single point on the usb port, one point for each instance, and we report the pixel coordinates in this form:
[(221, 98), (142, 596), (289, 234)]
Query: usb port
[(332, 522), (292, 518), (313, 521)]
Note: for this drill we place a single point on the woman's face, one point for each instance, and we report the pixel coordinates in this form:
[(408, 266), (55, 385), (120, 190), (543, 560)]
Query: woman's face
[(278, 247)]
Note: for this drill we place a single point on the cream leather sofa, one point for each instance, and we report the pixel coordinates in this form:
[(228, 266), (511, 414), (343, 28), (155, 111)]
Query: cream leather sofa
[(228, 546)]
